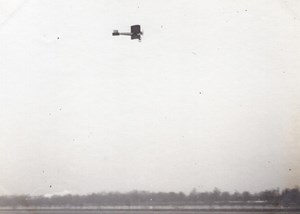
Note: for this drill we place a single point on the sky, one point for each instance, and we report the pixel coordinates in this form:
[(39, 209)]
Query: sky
[(209, 98)]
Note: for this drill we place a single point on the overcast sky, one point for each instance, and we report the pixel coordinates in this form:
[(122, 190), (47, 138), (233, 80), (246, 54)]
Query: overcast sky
[(209, 98)]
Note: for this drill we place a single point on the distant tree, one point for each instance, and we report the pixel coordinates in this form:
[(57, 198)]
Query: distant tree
[(236, 196), (246, 196), (193, 197), (216, 195), (287, 197), (225, 196), (291, 196), (270, 196)]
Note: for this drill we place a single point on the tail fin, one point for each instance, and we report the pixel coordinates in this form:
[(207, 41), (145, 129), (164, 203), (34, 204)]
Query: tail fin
[(115, 33)]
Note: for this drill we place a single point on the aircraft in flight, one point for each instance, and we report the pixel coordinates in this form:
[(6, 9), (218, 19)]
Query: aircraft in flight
[(135, 32)]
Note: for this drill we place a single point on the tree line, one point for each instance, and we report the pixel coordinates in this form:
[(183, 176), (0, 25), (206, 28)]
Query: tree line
[(286, 197)]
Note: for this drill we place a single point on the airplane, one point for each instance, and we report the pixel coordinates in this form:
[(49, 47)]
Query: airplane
[(135, 32)]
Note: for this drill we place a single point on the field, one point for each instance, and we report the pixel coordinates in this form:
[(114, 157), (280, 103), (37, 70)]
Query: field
[(111, 211)]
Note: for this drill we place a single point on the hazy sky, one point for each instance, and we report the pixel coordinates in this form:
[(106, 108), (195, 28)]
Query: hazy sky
[(209, 98)]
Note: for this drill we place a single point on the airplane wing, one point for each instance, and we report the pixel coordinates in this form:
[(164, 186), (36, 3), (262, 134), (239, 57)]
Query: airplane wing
[(135, 29), (136, 36)]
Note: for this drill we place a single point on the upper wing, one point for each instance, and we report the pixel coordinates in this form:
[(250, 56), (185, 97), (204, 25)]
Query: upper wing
[(135, 29)]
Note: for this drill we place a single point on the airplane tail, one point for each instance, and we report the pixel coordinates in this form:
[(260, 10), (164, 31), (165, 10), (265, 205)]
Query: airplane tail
[(115, 33)]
